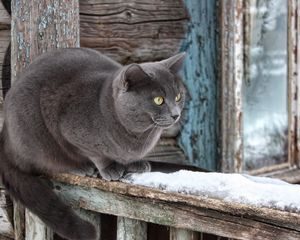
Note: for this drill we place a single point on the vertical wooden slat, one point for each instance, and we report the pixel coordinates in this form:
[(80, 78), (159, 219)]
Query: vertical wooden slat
[(294, 82), (183, 234), (19, 221), (6, 223), (198, 137), (39, 26), (35, 228), (232, 72), (131, 229)]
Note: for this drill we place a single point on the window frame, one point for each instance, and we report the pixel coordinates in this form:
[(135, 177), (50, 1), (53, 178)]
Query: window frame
[(233, 36)]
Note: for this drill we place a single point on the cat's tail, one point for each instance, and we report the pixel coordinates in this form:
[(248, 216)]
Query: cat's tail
[(38, 197)]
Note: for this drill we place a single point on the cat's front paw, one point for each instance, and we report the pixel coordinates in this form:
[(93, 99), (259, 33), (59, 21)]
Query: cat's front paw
[(138, 167), (112, 172)]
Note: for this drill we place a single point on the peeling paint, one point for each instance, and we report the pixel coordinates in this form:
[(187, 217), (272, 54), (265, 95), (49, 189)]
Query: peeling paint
[(199, 134)]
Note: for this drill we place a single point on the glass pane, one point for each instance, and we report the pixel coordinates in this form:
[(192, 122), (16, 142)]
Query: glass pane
[(265, 87)]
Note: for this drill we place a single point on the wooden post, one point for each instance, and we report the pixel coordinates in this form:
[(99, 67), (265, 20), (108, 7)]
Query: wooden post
[(39, 26), (6, 227), (183, 234), (35, 228), (131, 229)]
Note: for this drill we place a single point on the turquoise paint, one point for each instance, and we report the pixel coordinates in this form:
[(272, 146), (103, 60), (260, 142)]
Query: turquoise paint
[(198, 138)]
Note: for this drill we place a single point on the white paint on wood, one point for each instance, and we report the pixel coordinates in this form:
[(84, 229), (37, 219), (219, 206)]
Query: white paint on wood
[(183, 234), (6, 227), (35, 229), (131, 229)]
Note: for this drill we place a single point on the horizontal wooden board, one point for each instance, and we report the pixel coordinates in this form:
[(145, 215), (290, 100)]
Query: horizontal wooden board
[(4, 42), (126, 50), (196, 213), (133, 31), (4, 18)]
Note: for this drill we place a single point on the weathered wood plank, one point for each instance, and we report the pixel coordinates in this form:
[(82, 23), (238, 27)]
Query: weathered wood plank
[(231, 84), (126, 50), (133, 31), (35, 229), (131, 229), (166, 151), (183, 234), (19, 221), (204, 214), (41, 26), (199, 137), (5, 238), (4, 42), (6, 218), (4, 18), (172, 213)]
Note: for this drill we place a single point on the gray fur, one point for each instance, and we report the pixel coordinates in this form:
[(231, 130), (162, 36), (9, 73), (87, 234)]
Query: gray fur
[(75, 106)]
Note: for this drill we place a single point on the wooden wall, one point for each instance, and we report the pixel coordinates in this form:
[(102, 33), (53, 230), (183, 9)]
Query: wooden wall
[(133, 31)]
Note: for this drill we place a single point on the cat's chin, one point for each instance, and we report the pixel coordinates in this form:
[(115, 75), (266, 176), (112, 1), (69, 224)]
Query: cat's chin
[(164, 126)]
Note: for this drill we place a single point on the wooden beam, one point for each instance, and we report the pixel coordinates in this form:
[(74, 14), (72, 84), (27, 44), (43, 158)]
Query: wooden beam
[(131, 229), (195, 213), (231, 37)]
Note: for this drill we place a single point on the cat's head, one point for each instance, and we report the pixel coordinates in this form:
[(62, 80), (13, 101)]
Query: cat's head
[(150, 94)]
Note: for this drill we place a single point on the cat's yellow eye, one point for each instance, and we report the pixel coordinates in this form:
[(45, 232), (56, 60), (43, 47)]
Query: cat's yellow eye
[(178, 97), (158, 100)]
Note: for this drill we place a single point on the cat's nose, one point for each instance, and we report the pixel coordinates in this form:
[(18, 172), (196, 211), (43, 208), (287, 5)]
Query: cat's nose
[(175, 116)]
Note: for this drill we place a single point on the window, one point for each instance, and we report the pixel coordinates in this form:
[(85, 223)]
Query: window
[(259, 104)]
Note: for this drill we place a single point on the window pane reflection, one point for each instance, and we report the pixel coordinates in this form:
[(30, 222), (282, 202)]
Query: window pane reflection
[(265, 86)]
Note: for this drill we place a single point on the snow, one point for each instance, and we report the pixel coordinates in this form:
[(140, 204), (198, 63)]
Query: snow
[(237, 188)]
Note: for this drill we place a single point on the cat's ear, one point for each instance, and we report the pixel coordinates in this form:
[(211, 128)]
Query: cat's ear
[(174, 63), (133, 76)]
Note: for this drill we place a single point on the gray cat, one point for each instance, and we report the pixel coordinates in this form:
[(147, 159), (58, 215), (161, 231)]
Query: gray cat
[(75, 106)]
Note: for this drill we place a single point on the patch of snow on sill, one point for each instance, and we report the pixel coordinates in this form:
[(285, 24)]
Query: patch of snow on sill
[(238, 188)]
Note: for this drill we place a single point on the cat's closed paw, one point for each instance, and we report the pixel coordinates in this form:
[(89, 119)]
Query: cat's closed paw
[(138, 167), (112, 172)]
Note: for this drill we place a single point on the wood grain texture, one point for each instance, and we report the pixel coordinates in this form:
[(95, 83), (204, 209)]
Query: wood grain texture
[(183, 234), (199, 136), (131, 229), (4, 18), (4, 42), (35, 228), (133, 31), (231, 85), (196, 213), (39, 26), (19, 221), (6, 218)]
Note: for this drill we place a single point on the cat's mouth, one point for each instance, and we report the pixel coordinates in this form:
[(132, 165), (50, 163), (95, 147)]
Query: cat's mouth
[(163, 123)]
